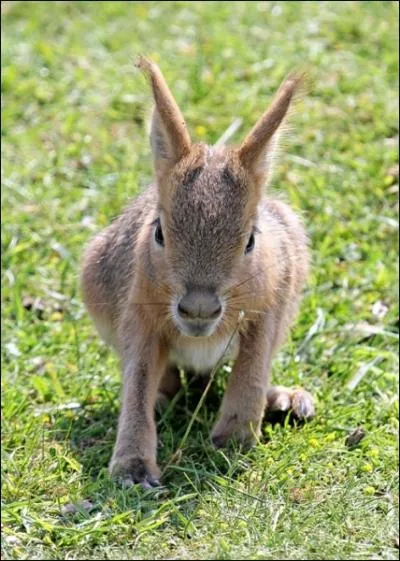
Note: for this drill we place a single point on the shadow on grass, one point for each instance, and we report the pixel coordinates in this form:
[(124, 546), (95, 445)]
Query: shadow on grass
[(91, 430), (91, 433)]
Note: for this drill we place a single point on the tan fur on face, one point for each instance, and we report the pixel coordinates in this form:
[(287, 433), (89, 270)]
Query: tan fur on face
[(209, 203)]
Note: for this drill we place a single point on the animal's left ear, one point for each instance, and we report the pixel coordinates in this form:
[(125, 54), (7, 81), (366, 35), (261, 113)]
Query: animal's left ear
[(256, 151)]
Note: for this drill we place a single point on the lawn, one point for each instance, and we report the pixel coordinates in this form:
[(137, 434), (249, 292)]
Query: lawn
[(74, 150)]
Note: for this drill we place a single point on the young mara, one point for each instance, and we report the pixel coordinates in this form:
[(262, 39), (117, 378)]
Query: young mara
[(201, 259)]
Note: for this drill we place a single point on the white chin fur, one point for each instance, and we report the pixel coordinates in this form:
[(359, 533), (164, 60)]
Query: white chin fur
[(194, 332), (201, 354)]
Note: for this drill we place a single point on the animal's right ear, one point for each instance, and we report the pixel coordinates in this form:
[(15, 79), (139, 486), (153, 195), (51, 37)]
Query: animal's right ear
[(256, 151), (170, 140)]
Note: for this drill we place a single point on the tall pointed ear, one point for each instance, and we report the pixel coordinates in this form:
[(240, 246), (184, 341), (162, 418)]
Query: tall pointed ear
[(170, 140), (257, 150)]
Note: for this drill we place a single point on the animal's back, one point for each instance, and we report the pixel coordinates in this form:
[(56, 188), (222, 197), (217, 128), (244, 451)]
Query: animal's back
[(112, 255), (295, 239), (288, 231)]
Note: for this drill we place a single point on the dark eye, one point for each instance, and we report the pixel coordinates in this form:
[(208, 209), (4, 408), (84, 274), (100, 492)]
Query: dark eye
[(250, 244), (158, 234)]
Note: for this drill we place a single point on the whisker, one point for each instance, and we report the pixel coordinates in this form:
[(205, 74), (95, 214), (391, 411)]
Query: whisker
[(150, 303), (133, 303), (250, 311), (234, 287), (242, 283)]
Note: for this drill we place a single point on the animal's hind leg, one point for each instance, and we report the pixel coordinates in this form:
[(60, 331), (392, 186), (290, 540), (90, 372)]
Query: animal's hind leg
[(169, 385), (297, 400)]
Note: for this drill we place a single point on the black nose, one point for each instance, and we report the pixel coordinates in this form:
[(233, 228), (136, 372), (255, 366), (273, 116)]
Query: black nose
[(199, 304)]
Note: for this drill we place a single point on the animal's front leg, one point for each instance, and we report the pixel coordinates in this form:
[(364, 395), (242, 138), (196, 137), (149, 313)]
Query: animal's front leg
[(244, 401), (134, 457)]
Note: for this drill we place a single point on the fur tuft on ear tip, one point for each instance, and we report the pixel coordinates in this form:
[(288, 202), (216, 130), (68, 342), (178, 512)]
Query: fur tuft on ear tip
[(299, 82)]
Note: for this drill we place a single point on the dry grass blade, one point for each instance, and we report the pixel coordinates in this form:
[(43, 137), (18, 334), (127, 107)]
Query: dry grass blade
[(176, 456), (361, 372), (230, 131)]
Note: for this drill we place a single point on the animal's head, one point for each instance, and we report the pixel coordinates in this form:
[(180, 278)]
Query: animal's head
[(205, 233)]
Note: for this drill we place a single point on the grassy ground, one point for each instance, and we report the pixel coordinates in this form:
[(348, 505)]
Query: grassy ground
[(74, 149)]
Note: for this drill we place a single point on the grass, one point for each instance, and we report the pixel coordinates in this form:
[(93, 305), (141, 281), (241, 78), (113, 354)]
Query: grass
[(74, 150)]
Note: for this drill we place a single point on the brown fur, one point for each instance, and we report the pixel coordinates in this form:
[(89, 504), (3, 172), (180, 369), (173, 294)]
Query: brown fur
[(208, 201)]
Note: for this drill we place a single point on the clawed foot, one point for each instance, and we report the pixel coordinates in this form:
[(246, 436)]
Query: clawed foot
[(298, 401), (133, 469), (237, 427), (279, 400)]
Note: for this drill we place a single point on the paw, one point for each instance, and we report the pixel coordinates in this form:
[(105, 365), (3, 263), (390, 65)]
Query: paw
[(131, 469), (233, 428), (299, 401)]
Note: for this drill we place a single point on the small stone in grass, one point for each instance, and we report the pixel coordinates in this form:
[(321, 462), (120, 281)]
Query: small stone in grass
[(379, 309), (72, 508), (355, 437), (12, 540), (37, 363), (68, 509)]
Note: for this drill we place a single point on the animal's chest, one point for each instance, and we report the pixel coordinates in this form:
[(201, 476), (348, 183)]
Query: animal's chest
[(202, 354)]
